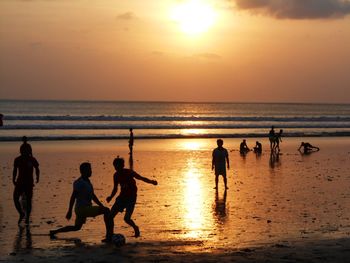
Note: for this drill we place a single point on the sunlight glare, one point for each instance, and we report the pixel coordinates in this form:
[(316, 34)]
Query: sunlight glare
[(194, 16)]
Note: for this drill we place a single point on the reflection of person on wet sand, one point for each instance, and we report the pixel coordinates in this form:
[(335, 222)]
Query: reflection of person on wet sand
[(83, 194), (243, 147), (128, 193), (274, 158), (22, 178), (219, 160), (17, 246), (220, 205), (308, 148), (131, 141), (258, 147)]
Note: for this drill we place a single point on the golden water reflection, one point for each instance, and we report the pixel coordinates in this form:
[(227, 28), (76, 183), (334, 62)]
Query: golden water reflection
[(194, 199)]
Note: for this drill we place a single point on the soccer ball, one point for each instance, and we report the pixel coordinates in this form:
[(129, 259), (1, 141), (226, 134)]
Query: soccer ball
[(118, 240)]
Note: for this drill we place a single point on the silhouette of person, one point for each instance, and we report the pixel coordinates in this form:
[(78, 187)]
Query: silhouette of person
[(219, 161), (243, 147), (272, 137), (131, 141), (278, 139), (128, 192), (308, 148), (1, 121), (258, 147), (22, 178), (83, 195)]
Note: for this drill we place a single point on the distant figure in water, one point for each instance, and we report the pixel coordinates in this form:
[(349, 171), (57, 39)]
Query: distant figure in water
[(272, 137), (258, 147), (26, 145), (83, 194), (278, 139), (22, 178), (308, 148), (243, 147), (128, 192), (1, 122), (131, 141), (219, 160)]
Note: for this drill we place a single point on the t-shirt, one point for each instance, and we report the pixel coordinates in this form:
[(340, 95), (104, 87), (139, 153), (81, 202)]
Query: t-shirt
[(127, 183), (84, 192), (219, 157), (25, 166)]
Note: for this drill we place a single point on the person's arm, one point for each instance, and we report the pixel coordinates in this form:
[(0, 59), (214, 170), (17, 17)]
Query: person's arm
[(71, 203), (115, 189), (146, 180), (14, 173), (212, 162), (227, 160), (95, 199), (37, 172)]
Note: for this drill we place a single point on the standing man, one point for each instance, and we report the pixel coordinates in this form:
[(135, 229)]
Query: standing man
[(131, 141), (22, 178), (220, 158), (83, 194)]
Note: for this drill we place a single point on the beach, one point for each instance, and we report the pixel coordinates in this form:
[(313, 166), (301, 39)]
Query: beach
[(293, 208)]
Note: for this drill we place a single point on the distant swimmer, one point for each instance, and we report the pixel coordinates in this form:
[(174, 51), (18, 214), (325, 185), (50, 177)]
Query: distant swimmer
[(308, 148), (128, 192), (243, 147), (272, 137), (1, 122), (22, 178), (258, 147), (83, 195), (219, 160), (131, 141)]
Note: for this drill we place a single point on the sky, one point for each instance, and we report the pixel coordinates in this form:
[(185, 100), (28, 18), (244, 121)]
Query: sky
[(176, 50)]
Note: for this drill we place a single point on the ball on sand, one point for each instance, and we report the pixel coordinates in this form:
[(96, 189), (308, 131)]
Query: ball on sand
[(118, 240)]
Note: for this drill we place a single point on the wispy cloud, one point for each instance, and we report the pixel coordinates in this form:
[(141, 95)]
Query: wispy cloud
[(208, 56), (126, 16), (297, 9)]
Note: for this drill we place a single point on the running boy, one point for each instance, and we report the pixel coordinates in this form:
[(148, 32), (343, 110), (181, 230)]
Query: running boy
[(128, 192)]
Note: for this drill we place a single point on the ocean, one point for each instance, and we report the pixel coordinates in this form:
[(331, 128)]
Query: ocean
[(74, 120)]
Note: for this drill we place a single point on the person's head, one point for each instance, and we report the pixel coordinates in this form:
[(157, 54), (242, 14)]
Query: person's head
[(257, 142), (220, 142), (85, 169), (118, 163), (130, 129), (272, 127), (281, 130), (25, 150), (302, 144), (244, 141)]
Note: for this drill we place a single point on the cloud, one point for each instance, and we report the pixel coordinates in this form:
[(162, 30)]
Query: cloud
[(297, 9), (208, 56), (126, 16)]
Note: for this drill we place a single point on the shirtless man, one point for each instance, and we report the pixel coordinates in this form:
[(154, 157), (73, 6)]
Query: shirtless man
[(219, 160)]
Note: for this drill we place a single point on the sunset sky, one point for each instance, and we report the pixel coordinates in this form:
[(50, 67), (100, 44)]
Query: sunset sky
[(172, 50)]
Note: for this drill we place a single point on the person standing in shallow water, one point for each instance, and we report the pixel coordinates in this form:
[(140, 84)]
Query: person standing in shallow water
[(131, 141), (22, 178), (128, 192), (219, 160), (272, 137), (83, 194)]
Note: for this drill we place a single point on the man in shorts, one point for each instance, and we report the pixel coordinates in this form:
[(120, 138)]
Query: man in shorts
[(220, 158), (23, 181), (128, 192), (83, 194)]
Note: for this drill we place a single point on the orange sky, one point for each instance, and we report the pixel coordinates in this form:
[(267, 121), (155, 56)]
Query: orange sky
[(255, 51)]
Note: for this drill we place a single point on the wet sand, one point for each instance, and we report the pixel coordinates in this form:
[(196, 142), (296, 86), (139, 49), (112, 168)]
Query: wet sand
[(291, 209)]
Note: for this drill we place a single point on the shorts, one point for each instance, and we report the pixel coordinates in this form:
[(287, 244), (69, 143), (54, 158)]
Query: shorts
[(24, 189), (83, 212), (122, 203)]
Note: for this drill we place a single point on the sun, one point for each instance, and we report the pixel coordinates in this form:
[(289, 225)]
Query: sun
[(194, 16)]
